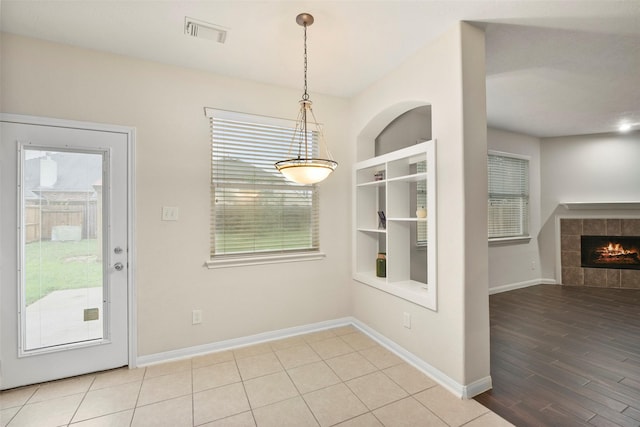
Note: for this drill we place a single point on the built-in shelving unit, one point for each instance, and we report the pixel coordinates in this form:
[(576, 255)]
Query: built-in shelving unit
[(389, 183)]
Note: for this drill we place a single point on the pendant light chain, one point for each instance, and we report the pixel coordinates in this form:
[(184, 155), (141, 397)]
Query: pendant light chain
[(305, 96)]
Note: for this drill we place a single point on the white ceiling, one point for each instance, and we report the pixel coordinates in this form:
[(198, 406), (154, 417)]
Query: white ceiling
[(553, 67)]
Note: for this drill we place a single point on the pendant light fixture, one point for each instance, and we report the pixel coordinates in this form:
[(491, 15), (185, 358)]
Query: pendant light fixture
[(305, 169)]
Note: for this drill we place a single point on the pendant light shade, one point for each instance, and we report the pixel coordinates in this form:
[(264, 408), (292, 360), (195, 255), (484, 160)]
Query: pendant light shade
[(305, 169)]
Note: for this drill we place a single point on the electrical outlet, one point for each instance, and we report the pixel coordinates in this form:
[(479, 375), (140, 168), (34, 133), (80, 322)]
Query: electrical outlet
[(533, 265), (169, 213), (406, 320), (196, 317)]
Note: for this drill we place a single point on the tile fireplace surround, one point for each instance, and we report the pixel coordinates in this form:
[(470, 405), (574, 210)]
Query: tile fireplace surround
[(573, 274)]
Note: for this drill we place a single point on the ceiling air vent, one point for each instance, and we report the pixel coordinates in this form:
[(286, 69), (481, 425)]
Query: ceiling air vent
[(204, 30)]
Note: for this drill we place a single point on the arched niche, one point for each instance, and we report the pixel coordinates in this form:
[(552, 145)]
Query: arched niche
[(397, 127), (409, 128), (406, 122)]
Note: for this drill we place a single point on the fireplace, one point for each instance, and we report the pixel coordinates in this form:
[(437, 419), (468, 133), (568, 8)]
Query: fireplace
[(583, 264), (610, 252)]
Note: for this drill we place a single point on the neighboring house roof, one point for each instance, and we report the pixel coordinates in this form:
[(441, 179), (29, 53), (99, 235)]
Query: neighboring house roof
[(30, 195), (75, 172)]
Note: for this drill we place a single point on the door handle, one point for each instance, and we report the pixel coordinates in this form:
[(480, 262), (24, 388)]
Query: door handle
[(118, 266)]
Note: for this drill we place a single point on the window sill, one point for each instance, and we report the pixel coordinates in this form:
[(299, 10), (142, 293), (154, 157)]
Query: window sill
[(503, 241), (267, 259)]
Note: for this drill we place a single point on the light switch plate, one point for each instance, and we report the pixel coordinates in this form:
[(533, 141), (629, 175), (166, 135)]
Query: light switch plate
[(406, 320), (169, 213), (196, 317)]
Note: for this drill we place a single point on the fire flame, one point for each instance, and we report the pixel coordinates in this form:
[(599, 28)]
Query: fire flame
[(615, 254), (615, 249)]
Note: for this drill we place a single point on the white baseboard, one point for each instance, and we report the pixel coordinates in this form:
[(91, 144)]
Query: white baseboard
[(462, 391), (185, 353), (476, 387), (518, 285)]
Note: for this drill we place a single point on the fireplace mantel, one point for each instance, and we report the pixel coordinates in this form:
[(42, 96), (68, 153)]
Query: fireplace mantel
[(601, 205)]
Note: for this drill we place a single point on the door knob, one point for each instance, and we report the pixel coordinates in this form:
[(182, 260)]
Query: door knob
[(118, 266)]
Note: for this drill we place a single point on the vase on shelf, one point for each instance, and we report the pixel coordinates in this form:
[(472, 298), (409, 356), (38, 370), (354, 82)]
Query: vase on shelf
[(381, 264)]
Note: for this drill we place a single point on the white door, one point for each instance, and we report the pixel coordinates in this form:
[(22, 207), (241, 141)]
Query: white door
[(64, 270)]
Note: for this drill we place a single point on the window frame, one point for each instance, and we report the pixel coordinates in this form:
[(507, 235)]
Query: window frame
[(257, 257), (422, 234), (526, 236)]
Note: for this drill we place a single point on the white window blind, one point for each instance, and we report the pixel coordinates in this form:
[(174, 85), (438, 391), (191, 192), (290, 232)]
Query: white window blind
[(254, 209), (508, 196)]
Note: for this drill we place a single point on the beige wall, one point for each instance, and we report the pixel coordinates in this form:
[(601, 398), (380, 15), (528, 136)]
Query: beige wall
[(455, 339), (585, 168), (512, 265), (165, 105)]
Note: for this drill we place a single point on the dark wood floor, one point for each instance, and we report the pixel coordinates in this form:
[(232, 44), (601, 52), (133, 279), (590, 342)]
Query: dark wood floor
[(565, 356)]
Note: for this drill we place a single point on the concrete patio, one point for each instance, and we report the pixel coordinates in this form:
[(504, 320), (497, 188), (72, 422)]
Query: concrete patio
[(58, 318)]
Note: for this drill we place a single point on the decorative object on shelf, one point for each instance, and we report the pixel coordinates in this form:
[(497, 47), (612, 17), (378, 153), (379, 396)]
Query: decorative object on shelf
[(383, 220), (421, 213), (378, 176), (381, 264), (305, 169)]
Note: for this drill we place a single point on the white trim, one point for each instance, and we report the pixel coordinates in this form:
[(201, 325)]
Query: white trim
[(506, 154), (132, 259), (410, 151), (557, 244), (503, 241), (600, 205), (70, 124), (267, 259), (477, 387), (519, 285), (462, 391), (198, 350), (210, 112)]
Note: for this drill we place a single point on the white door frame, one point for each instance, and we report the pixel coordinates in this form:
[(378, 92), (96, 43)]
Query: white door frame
[(130, 133)]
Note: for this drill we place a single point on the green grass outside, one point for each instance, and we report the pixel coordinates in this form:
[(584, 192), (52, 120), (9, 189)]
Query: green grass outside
[(266, 241), (52, 266)]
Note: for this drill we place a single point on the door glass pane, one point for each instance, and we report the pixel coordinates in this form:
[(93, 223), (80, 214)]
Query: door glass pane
[(62, 269)]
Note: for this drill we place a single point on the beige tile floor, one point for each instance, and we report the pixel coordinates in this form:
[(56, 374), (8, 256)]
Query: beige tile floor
[(334, 377)]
